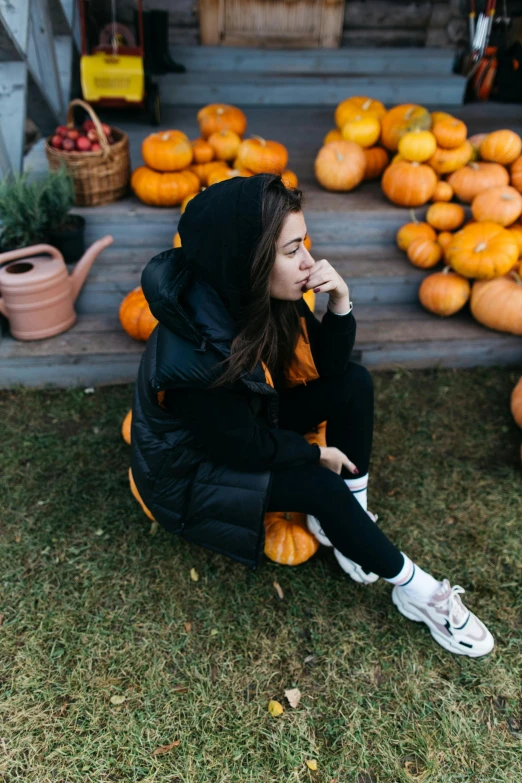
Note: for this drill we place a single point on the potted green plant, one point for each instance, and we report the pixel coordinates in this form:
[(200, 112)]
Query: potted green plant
[(38, 211)]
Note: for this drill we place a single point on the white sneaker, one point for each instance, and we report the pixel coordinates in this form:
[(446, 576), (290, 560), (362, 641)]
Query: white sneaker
[(451, 624), (351, 568)]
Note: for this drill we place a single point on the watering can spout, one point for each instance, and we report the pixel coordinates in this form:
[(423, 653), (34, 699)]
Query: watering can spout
[(81, 270)]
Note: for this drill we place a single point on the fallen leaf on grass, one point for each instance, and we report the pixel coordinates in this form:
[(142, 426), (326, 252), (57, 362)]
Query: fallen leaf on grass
[(62, 709), (274, 708), (278, 590), (391, 458), (188, 627), (194, 575), (118, 699), (311, 764), (166, 748), (180, 688), (450, 521), (2, 618), (294, 696), (154, 527)]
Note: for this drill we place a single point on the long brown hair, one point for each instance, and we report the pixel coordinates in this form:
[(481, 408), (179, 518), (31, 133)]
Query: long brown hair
[(270, 327)]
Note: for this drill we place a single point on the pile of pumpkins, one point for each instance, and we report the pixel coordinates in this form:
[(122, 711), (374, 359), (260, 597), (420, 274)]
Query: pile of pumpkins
[(177, 168)]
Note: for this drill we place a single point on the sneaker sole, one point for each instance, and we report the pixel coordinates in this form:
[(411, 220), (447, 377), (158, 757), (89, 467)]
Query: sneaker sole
[(439, 638)]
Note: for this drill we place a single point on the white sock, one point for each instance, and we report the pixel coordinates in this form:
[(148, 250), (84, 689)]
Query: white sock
[(414, 581), (358, 487)]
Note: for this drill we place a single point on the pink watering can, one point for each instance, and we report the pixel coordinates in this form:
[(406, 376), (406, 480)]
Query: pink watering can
[(38, 293)]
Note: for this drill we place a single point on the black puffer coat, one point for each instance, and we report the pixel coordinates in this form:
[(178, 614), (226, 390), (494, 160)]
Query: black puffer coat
[(196, 294)]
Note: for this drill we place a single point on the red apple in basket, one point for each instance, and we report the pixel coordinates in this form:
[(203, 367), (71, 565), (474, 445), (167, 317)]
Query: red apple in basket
[(106, 129), (56, 141), (88, 125), (83, 144), (92, 135), (62, 130), (95, 147), (73, 134), (68, 145)]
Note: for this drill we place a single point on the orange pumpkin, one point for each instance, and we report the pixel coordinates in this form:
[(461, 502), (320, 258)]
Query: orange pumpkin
[(220, 116), (364, 130), (176, 242), (444, 161), (414, 230), (262, 156), (340, 165), (409, 184), (443, 191), (308, 244), (289, 179), (126, 427), (444, 293), (482, 250), (501, 146), (376, 161), (445, 217), (225, 144), (474, 178), (333, 135), (424, 253), (163, 190), (444, 238), (440, 116), (516, 403), (450, 133), (419, 145), (186, 201), (287, 538), (202, 170), (516, 174), (220, 175), (501, 205), (357, 106), (167, 151), (401, 120), (497, 303), (203, 152), (516, 231), (135, 315)]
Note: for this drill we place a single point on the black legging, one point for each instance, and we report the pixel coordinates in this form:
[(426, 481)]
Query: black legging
[(347, 406)]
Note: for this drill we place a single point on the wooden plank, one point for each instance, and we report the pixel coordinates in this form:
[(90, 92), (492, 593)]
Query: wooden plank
[(14, 18), (13, 98), (210, 22)]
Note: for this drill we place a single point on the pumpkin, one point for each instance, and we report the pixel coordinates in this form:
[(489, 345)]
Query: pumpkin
[(358, 105), (262, 156), (472, 179), (445, 217), (482, 250), (444, 238), (186, 201), (516, 231), (134, 490), (287, 538), (516, 174), (333, 135), (340, 165), (202, 170), (501, 205), (424, 253), (220, 116), (396, 158), (126, 427), (163, 190), (203, 152), (516, 403), (497, 303), (475, 141), (444, 293), (308, 244), (167, 151), (363, 130), (501, 146), (401, 120), (409, 184), (176, 242), (417, 145), (225, 144), (440, 116), (414, 230), (135, 315), (220, 175), (289, 179), (445, 161), (443, 191), (376, 161), (450, 133)]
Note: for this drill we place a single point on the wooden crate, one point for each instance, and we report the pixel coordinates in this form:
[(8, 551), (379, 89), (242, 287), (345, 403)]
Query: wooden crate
[(272, 23)]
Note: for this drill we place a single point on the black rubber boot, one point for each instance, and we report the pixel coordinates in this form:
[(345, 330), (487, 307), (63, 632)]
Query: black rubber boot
[(159, 27)]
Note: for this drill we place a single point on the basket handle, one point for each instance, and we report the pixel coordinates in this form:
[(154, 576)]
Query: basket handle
[(104, 144)]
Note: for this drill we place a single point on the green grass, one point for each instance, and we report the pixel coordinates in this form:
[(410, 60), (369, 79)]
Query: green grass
[(94, 606)]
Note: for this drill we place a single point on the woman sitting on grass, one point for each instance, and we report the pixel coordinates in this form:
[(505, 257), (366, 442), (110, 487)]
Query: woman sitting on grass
[(224, 397)]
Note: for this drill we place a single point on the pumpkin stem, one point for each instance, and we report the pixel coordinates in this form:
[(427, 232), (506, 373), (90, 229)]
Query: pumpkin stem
[(413, 216), (261, 139), (480, 247), (339, 156), (366, 105), (474, 166), (220, 110), (446, 270), (516, 277)]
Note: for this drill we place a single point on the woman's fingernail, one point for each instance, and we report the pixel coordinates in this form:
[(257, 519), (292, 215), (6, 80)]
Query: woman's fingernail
[(316, 290), (355, 470)]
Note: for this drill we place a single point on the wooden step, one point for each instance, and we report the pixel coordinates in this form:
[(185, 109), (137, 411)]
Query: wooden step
[(96, 351)]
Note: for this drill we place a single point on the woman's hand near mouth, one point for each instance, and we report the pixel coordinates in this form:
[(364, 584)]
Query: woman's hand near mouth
[(324, 279)]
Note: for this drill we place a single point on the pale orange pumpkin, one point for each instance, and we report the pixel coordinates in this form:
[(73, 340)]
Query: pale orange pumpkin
[(126, 427), (516, 403), (167, 151), (476, 177), (418, 145), (444, 238), (376, 161), (220, 116), (176, 242), (501, 146), (202, 170), (401, 120), (444, 293), (220, 175), (516, 174), (289, 179), (424, 253), (497, 303), (440, 116), (357, 106), (450, 133), (414, 230), (443, 191), (364, 130), (225, 144), (482, 250), (444, 216), (516, 231), (409, 184), (501, 205), (163, 190), (444, 161), (135, 315), (203, 152), (262, 156), (340, 165), (287, 538), (333, 135)]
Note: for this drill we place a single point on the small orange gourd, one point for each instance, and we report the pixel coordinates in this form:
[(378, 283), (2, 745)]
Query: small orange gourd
[(444, 293), (135, 315), (444, 216), (424, 253)]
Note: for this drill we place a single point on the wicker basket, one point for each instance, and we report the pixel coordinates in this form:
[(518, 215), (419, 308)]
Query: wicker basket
[(99, 177)]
